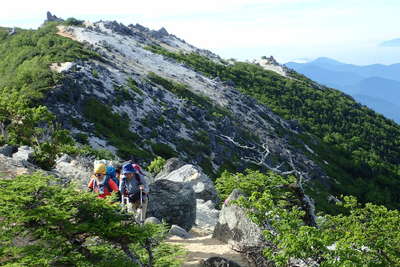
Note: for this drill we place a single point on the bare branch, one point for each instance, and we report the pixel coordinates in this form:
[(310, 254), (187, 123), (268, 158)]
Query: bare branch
[(132, 256), (260, 158)]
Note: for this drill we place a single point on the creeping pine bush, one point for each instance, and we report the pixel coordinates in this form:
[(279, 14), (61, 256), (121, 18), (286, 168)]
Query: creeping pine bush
[(25, 78), (44, 223), (365, 235), (156, 165)]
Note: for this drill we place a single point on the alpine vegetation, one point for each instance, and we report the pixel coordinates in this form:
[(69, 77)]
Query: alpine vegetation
[(286, 171)]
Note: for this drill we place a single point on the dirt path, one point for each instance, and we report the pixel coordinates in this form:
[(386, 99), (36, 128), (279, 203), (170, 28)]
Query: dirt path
[(203, 246), (62, 30)]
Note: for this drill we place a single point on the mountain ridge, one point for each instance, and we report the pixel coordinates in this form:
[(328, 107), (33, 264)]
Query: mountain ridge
[(152, 94)]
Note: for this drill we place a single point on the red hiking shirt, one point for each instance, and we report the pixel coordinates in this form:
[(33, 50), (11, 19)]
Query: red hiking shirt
[(95, 186)]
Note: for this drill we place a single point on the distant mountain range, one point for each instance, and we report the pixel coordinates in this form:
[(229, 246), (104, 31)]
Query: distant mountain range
[(376, 86)]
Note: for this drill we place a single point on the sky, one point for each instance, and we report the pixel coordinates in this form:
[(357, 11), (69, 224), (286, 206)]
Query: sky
[(350, 31)]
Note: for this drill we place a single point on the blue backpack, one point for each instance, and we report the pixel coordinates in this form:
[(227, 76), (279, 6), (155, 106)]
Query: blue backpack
[(111, 174)]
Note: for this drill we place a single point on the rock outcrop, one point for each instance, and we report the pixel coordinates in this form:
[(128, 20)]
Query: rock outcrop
[(24, 153), (170, 165), (235, 227), (10, 167), (78, 170), (172, 202), (51, 17), (192, 176)]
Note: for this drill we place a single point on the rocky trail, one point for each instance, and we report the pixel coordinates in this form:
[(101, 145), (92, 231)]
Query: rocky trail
[(202, 246)]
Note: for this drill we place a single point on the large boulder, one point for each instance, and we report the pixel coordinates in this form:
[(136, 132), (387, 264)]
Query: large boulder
[(179, 231), (192, 176), (152, 220), (170, 165), (234, 226), (173, 202), (206, 214)]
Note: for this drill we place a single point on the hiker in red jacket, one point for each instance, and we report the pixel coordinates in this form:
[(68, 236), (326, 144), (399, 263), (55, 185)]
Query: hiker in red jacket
[(101, 184)]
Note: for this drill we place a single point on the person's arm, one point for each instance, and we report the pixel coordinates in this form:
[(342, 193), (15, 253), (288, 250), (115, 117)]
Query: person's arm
[(90, 185), (145, 183)]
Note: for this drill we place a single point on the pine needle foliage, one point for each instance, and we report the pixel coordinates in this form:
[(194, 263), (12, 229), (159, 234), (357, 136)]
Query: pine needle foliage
[(45, 223)]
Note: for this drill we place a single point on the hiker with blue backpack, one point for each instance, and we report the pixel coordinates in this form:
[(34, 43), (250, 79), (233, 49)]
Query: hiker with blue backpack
[(103, 182), (134, 190)]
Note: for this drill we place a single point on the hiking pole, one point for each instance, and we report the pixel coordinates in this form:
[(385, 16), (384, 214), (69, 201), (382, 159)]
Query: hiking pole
[(141, 205)]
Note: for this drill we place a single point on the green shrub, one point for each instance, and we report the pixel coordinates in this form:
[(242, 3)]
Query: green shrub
[(133, 86), (156, 165), (164, 150), (114, 127), (73, 22), (67, 227), (82, 138), (95, 73), (362, 236)]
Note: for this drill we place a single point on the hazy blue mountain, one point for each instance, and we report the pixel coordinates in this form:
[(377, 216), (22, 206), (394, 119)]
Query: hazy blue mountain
[(391, 43), (334, 79), (386, 108), (377, 86), (380, 87), (391, 72)]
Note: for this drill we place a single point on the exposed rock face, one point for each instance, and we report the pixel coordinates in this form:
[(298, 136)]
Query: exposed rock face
[(171, 165), (10, 167), (235, 227), (78, 169), (160, 33), (176, 121), (173, 202), (24, 153), (206, 214), (193, 177)]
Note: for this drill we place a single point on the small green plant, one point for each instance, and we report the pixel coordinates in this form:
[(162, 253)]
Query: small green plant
[(95, 73), (132, 84), (156, 165)]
